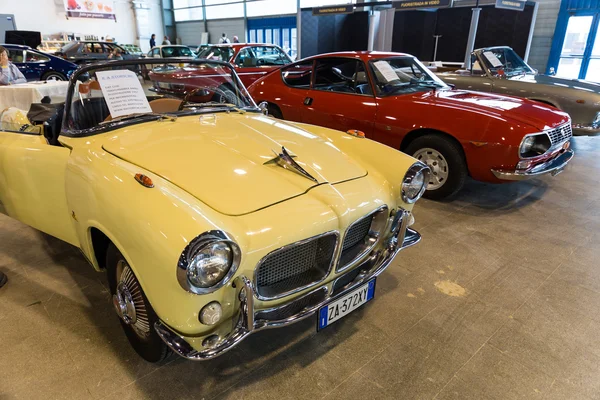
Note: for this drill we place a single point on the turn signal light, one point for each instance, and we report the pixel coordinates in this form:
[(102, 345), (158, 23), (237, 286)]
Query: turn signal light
[(144, 180), (357, 133)]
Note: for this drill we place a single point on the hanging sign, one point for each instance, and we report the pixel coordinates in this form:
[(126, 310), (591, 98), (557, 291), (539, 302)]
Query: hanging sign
[(333, 10), (517, 5), (421, 4), (90, 9)]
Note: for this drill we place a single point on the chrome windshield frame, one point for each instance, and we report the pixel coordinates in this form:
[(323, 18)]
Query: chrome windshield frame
[(65, 131)]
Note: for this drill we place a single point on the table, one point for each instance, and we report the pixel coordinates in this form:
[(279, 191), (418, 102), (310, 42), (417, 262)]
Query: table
[(22, 95)]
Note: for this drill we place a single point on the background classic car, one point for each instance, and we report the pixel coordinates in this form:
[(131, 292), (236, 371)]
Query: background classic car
[(250, 60), (213, 221), (501, 70), (396, 100), (37, 65), (87, 52)]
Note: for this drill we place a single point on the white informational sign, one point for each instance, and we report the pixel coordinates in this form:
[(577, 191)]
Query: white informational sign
[(491, 57), (386, 70), (123, 93)]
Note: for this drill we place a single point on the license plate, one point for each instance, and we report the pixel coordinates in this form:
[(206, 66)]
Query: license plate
[(345, 305)]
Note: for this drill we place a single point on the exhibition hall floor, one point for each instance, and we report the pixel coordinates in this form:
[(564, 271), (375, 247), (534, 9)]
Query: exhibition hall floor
[(500, 300)]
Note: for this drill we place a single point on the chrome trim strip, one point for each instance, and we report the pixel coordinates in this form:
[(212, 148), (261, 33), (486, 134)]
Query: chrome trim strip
[(288, 246), (368, 249), (246, 324), (553, 166)]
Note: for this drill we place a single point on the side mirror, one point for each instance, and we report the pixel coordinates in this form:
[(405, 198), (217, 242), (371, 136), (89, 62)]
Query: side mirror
[(264, 107)]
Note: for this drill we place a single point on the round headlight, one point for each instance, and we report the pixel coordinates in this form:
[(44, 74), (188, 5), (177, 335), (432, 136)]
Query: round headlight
[(534, 145), (210, 265), (208, 262), (415, 182)]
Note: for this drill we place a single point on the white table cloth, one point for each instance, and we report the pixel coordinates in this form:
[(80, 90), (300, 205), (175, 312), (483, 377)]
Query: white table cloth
[(22, 95)]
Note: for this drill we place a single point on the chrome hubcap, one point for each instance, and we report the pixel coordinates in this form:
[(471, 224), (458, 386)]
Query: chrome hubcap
[(437, 164), (128, 301)]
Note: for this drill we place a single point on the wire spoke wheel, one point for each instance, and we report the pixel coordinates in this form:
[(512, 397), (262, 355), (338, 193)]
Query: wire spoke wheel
[(438, 165), (129, 302)]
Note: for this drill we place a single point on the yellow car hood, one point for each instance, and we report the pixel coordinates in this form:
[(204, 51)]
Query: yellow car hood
[(227, 160)]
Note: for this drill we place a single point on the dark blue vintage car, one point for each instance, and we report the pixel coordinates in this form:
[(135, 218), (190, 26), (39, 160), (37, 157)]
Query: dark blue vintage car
[(37, 65)]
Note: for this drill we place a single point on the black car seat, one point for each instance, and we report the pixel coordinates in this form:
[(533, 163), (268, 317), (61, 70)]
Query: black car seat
[(88, 113)]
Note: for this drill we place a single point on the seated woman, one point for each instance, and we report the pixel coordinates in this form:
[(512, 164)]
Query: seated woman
[(9, 73)]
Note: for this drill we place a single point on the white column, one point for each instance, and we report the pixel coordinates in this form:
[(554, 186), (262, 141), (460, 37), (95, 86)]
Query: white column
[(472, 35), (373, 28), (531, 29)]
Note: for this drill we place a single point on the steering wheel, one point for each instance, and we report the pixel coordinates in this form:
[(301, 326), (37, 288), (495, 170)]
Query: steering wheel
[(191, 93)]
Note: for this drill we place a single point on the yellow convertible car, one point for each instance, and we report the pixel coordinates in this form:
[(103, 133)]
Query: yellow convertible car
[(211, 219)]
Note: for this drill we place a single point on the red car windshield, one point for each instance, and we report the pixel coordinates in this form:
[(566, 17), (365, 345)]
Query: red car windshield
[(400, 75)]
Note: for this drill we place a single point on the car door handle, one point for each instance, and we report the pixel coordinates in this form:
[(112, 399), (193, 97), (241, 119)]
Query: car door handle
[(308, 101)]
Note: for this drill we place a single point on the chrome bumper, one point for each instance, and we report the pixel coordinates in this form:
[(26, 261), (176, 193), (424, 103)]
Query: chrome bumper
[(553, 167), (250, 321), (585, 130)]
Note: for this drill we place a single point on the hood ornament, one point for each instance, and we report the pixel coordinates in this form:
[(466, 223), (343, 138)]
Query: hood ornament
[(285, 160)]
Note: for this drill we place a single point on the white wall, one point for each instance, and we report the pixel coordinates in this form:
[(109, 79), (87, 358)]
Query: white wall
[(48, 17), (543, 32)]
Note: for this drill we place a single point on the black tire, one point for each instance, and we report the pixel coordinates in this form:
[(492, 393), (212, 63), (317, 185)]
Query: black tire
[(53, 76), (274, 111), (453, 154), (149, 345)]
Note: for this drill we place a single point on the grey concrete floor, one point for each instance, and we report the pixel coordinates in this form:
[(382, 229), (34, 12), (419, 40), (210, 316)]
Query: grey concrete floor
[(500, 300)]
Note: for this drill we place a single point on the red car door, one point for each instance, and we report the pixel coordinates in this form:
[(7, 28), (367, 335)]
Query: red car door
[(341, 96), (253, 62)]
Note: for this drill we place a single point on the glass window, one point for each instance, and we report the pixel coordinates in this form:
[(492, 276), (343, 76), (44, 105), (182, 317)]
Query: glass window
[(400, 75), (30, 56), (268, 37), (596, 48), (216, 9), (258, 56), (259, 36), (271, 7), (252, 35), (15, 56), (298, 75), (286, 39), (186, 3), (577, 34), (221, 53), (569, 67), (177, 51), (276, 37), (189, 14), (593, 72), (342, 75)]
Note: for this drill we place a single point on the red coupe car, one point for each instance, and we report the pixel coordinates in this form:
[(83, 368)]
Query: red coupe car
[(394, 99)]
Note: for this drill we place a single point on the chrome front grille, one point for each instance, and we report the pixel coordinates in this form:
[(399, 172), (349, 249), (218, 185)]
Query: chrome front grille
[(357, 233), (561, 134), (295, 267), (361, 236)]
